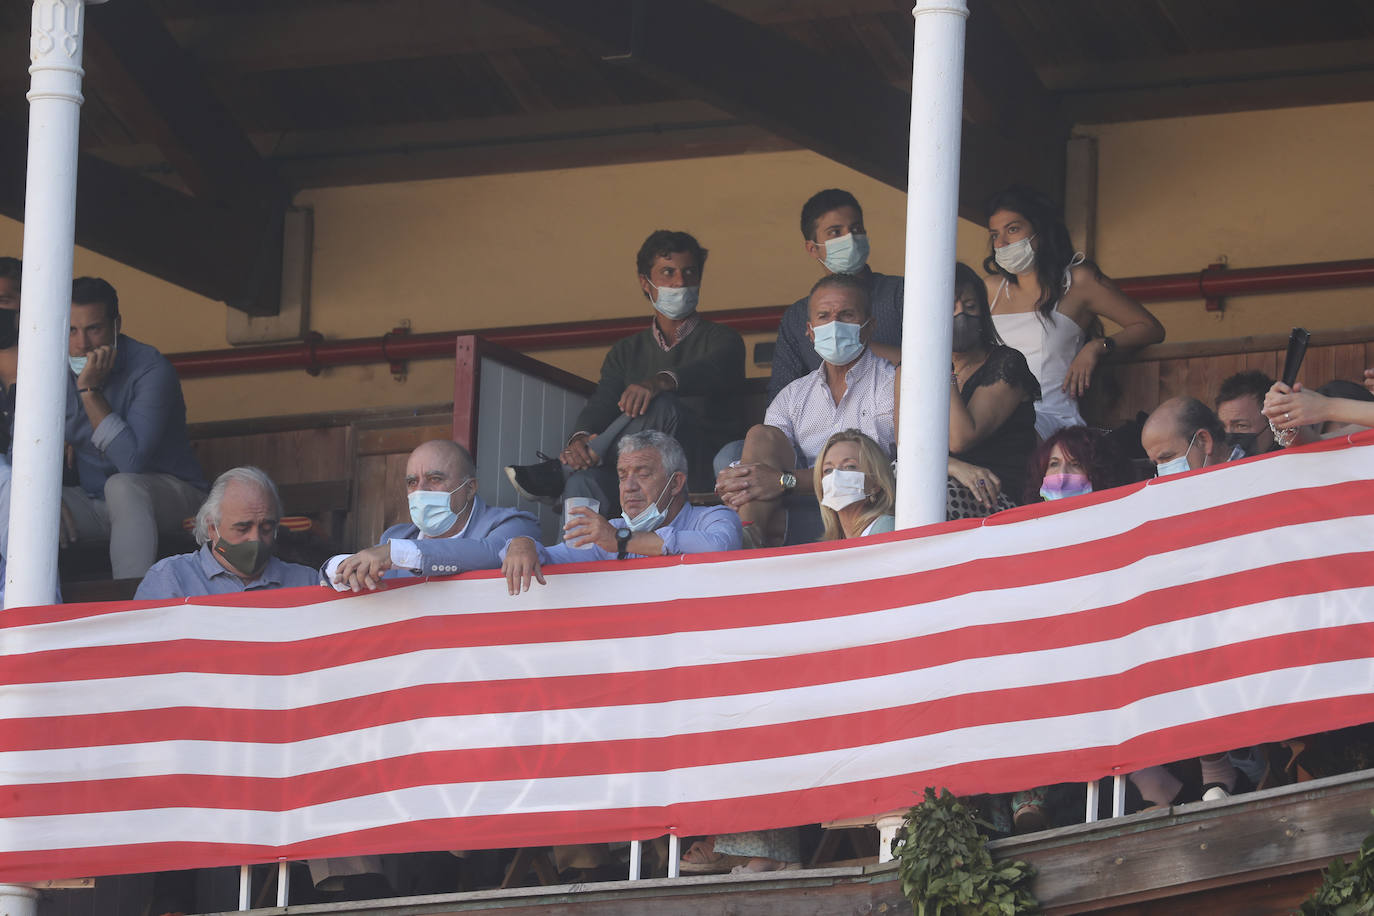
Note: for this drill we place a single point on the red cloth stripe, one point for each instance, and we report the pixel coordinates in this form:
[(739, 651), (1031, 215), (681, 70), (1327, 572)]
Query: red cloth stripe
[(854, 730), (750, 676), (722, 816)]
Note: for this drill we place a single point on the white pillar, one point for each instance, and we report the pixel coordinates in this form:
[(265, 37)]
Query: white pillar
[(17, 900), (888, 825), (49, 228), (932, 209)]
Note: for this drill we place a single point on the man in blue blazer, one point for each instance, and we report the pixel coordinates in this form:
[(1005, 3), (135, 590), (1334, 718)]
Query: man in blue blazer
[(451, 529)]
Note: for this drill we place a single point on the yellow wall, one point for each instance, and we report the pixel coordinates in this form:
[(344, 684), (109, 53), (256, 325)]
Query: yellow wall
[(1262, 188), (508, 250)]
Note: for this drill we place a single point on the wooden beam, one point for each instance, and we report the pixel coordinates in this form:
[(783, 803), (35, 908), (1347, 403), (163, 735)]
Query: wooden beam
[(1024, 131), (208, 250), (1212, 82), (569, 138), (750, 71), (154, 84), (161, 93)]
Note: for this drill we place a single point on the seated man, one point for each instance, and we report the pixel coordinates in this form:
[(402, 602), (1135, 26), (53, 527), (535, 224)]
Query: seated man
[(832, 224), (682, 375), (852, 389), (656, 518), (451, 529), (1183, 435), (1239, 402), (126, 423), (236, 528)]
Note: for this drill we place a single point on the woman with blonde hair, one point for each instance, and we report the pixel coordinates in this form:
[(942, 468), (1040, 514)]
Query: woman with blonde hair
[(855, 487)]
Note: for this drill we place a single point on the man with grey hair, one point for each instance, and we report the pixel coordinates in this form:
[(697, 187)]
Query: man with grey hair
[(237, 529), (655, 520)]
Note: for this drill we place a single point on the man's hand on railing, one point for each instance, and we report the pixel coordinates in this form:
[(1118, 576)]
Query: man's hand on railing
[(364, 569), (521, 565)]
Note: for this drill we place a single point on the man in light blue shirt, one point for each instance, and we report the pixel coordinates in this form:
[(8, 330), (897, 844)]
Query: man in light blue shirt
[(656, 519), (237, 529), (126, 423), (451, 530)]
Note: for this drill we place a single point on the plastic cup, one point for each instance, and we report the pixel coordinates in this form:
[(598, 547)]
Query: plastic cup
[(577, 502)]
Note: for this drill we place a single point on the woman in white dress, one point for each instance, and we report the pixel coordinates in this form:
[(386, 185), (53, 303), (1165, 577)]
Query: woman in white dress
[(1046, 299)]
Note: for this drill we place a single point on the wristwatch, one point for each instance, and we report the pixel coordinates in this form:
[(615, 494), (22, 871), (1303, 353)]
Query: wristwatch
[(622, 542), (788, 481), (1108, 345)]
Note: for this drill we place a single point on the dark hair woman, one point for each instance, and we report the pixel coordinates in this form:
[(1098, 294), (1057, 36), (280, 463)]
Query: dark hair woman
[(1046, 300)]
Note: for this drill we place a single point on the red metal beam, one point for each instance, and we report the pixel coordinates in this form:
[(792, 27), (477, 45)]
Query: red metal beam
[(317, 353)]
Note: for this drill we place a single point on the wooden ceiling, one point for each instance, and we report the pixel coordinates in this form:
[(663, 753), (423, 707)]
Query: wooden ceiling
[(208, 114)]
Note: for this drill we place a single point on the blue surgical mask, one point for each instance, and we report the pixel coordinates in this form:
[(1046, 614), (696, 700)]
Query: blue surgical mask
[(1180, 464), (430, 510), (652, 516), (676, 302), (838, 342), (846, 254), (78, 363)]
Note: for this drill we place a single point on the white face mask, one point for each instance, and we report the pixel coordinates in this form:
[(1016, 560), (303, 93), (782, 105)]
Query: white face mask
[(675, 302), (1016, 258), (846, 254), (838, 342), (1180, 464), (842, 488), (78, 363), (430, 510), (652, 516)]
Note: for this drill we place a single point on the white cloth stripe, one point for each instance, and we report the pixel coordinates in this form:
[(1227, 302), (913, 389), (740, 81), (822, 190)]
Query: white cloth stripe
[(660, 652), (698, 716), (1165, 499), (696, 784)]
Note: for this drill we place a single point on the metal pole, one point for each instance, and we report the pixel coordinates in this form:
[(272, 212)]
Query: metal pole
[(635, 853), (674, 855), (932, 211), (55, 47), (245, 873), (1094, 794), (1118, 796), (283, 882)]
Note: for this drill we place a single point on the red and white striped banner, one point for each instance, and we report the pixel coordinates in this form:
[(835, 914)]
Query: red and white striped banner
[(1054, 643)]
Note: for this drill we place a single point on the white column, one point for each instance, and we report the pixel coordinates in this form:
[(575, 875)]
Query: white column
[(937, 98), (17, 900), (49, 229)]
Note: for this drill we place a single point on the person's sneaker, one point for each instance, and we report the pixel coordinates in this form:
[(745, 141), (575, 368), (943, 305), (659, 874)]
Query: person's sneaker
[(541, 483), (1215, 793)]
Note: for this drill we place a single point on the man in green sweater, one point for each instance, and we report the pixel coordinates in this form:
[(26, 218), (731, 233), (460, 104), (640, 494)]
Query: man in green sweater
[(682, 375)]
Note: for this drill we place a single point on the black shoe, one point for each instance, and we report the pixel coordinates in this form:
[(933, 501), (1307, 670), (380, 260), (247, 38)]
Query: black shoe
[(541, 483)]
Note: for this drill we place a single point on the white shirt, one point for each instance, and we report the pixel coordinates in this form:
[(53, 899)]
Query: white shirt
[(405, 554), (807, 414)]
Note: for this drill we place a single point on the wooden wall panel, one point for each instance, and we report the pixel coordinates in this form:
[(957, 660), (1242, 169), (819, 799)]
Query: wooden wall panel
[(288, 456), (1143, 385)]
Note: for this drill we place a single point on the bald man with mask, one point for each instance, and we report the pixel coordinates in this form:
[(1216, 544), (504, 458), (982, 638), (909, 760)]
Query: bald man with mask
[(451, 529)]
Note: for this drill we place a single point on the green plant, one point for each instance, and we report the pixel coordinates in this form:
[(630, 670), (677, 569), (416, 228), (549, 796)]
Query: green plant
[(946, 869), (1347, 889)]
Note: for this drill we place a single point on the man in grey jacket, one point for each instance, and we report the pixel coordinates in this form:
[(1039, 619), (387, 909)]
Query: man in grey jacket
[(451, 530)]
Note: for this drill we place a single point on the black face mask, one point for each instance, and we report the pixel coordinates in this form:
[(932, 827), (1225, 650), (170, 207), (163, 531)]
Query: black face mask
[(1243, 441), (9, 328), (968, 334)]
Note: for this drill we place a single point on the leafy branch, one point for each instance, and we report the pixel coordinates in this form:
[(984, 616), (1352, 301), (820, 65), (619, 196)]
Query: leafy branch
[(946, 869)]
